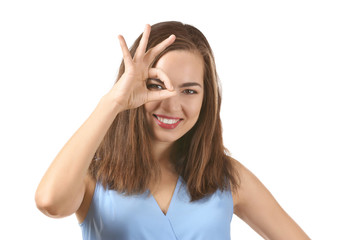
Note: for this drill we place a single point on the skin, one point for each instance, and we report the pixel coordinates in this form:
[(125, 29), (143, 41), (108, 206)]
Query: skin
[(185, 71), (255, 205), (62, 193), (182, 67)]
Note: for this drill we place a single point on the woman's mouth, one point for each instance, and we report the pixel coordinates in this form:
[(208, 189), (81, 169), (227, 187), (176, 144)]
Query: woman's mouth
[(167, 122)]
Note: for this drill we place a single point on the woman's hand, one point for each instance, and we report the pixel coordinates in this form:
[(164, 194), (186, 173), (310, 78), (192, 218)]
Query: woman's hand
[(130, 91)]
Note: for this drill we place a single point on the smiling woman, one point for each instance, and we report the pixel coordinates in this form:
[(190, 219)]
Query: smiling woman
[(181, 111), (149, 162)]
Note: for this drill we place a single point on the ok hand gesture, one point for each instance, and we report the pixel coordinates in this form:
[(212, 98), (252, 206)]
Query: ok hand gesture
[(130, 91)]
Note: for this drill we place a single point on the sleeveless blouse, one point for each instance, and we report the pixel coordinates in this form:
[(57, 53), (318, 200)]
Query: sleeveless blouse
[(113, 215)]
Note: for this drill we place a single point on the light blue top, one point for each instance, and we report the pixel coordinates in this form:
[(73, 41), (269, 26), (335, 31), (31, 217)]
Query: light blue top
[(116, 216)]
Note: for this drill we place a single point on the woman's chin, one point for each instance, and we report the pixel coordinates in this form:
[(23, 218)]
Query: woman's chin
[(167, 138)]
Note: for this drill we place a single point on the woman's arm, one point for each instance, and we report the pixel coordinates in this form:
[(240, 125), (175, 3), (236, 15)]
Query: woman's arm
[(255, 205), (62, 188)]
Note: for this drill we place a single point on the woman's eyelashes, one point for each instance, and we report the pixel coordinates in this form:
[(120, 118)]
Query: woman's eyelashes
[(155, 86), (160, 87), (190, 91)]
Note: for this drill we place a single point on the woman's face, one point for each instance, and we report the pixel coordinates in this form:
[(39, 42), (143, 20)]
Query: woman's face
[(171, 118)]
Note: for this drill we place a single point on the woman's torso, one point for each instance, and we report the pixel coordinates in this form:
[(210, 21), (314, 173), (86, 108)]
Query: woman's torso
[(111, 215)]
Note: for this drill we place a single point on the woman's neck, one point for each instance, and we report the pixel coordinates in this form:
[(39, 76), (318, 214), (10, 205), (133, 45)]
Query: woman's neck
[(161, 153)]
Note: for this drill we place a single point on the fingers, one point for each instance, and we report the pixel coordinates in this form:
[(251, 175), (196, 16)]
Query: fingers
[(141, 49), (160, 74), (160, 95), (153, 52), (143, 42), (126, 53)]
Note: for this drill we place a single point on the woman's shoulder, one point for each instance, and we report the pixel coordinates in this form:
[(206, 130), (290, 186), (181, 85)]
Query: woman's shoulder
[(255, 205), (248, 183)]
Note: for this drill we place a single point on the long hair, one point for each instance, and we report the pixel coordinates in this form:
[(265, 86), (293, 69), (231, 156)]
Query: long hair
[(123, 160)]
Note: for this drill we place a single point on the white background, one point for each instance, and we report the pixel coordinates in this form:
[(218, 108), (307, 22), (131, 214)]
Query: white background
[(277, 61)]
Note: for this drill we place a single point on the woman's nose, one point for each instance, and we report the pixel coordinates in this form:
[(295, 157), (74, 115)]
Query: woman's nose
[(171, 104)]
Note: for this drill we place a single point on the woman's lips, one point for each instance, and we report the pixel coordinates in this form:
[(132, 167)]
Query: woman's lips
[(167, 122)]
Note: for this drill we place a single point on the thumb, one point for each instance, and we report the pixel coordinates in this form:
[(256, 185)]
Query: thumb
[(160, 95)]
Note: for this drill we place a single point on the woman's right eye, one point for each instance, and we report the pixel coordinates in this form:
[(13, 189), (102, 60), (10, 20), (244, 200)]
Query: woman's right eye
[(155, 87)]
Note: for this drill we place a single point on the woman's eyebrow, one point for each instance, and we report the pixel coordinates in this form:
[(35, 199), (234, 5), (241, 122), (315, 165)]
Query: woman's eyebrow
[(187, 84), (190, 84)]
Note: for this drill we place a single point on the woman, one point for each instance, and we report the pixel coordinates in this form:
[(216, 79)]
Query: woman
[(149, 162)]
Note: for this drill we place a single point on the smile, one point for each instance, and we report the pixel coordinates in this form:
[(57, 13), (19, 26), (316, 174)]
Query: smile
[(167, 122)]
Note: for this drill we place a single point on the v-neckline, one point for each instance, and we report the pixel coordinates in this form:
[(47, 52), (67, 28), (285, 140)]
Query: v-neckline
[(171, 200)]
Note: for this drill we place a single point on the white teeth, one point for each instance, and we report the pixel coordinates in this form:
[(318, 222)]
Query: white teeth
[(168, 121)]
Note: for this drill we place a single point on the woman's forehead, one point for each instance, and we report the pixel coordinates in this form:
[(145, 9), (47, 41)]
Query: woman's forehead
[(182, 66)]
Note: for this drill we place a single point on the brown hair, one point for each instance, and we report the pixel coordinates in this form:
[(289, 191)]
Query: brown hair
[(123, 160)]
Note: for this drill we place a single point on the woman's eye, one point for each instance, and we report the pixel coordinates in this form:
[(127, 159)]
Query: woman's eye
[(154, 86), (189, 91)]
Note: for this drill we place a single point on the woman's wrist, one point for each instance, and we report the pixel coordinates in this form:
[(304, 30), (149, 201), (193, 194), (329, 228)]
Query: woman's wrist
[(109, 105)]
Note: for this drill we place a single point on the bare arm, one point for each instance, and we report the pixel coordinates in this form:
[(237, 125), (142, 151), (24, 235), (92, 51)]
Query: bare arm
[(255, 205), (62, 188)]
